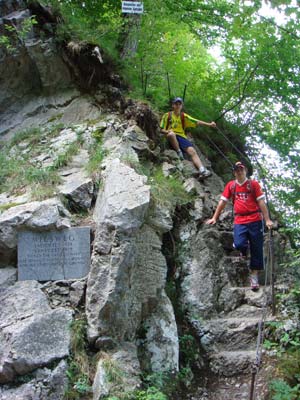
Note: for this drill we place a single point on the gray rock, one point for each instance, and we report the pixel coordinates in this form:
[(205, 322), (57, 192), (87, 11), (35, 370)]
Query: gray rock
[(197, 212), (188, 168), (123, 364), (78, 188), (53, 72), (136, 138), (203, 277), (26, 342), (77, 292), (230, 363), (16, 18), (36, 215), (124, 198), (192, 186), (8, 277), (160, 217), (22, 301), (60, 143), (168, 169), (171, 155), (124, 285), (161, 343), (8, 6), (46, 384)]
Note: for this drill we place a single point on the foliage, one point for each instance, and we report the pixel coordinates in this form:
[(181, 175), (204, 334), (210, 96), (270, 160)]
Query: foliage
[(18, 170), (284, 338), (282, 391), (151, 393), (168, 190), (97, 154), (94, 21), (79, 369), (188, 349), (15, 35)]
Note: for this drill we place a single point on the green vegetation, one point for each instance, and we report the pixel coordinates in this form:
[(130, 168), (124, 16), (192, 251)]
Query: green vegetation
[(168, 190), (283, 337), (96, 153), (14, 35), (19, 171), (79, 370)]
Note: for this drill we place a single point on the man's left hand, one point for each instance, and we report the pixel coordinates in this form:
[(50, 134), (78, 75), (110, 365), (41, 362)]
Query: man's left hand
[(269, 224)]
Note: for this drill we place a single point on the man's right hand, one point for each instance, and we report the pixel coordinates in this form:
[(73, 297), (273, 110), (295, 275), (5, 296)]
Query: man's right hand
[(211, 221)]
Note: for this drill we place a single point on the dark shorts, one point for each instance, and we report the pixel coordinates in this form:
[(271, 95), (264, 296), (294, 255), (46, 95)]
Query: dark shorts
[(250, 235), (183, 143)]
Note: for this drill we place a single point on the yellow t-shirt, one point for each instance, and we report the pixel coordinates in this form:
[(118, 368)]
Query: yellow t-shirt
[(176, 125)]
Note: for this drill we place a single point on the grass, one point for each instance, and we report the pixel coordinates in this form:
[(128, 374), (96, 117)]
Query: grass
[(64, 158), (18, 173), (79, 370), (169, 190)]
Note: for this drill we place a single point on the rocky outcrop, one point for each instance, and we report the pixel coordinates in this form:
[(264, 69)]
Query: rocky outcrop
[(124, 199), (36, 216), (27, 343), (45, 384), (118, 372), (160, 348)]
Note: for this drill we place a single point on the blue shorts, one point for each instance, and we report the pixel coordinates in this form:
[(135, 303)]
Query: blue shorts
[(183, 143), (250, 235)]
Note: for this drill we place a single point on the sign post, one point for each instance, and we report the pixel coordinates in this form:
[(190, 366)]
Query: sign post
[(132, 7)]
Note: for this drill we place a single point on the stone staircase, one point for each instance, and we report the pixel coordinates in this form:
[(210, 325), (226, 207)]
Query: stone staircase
[(233, 337)]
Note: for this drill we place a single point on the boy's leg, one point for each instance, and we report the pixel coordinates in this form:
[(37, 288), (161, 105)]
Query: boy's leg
[(240, 238), (197, 162), (194, 156), (172, 139)]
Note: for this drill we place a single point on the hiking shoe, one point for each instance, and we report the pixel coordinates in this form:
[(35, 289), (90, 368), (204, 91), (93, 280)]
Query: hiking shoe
[(204, 173), (254, 282)]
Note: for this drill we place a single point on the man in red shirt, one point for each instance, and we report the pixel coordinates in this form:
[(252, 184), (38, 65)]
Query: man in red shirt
[(248, 205)]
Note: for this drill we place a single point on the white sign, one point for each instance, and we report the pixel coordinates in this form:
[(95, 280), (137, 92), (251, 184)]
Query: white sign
[(132, 7)]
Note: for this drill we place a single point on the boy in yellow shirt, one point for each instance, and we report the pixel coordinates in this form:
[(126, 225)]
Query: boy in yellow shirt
[(173, 125)]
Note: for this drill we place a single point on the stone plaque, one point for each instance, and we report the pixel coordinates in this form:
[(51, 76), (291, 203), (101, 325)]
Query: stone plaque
[(54, 255)]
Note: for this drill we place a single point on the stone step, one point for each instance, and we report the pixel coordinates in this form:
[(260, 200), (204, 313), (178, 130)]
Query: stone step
[(233, 333), (246, 311), (230, 363), (236, 270)]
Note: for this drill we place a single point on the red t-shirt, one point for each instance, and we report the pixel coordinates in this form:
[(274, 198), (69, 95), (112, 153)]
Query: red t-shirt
[(245, 200)]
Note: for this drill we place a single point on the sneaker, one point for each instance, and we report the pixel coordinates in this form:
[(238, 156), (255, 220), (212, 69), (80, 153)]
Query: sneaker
[(254, 282), (204, 173)]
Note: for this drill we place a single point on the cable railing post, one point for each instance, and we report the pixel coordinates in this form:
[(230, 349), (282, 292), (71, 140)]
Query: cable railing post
[(252, 385), (272, 274)]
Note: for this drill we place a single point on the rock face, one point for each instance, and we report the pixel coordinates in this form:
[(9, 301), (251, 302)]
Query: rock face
[(117, 372), (161, 347), (43, 215), (46, 384), (124, 200), (27, 343), (33, 66)]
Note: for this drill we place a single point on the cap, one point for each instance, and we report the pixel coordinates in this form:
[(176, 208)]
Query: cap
[(238, 165), (179, 99)]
